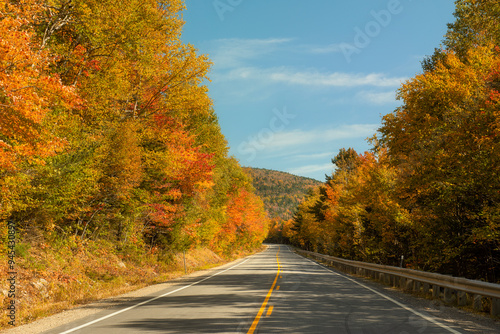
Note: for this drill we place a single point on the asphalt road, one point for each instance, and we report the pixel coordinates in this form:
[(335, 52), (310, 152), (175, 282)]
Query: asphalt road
[(275, 291)]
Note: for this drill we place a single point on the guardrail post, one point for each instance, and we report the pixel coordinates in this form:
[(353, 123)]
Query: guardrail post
[(461, 298), (402, 283), (448, 295), (436, 291), (416, 286), (477, 303), (425, 288), (495, 307), (395, 282), (409, 285)]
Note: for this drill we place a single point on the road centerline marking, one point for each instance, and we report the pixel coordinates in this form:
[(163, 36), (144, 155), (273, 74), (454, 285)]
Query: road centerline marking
[(266, 300), (269, 310)]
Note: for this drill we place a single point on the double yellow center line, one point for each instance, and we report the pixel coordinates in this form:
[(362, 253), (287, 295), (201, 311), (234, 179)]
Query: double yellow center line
[(264, 304)]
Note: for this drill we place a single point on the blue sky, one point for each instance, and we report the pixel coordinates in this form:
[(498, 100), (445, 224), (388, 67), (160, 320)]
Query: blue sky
[(293, 81)]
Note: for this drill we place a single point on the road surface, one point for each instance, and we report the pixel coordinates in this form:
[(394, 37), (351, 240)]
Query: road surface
[(276, 291)]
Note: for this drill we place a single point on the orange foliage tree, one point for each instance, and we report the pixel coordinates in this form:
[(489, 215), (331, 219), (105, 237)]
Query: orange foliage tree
[(27, 88), (108, 132), (429, 190), (445, 140)]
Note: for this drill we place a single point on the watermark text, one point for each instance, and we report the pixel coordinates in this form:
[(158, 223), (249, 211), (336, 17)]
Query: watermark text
[(223, 6), (364, 36), (261, 140), (11, 273)]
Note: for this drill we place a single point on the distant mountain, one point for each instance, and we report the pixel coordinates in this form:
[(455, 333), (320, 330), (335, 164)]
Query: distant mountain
[(280, 191)]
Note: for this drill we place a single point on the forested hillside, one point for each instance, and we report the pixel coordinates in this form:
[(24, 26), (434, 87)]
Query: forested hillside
[(429, 189), (110, 149), (281, 192)]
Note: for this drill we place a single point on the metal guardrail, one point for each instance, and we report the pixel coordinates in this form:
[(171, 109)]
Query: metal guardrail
[(453, 290)]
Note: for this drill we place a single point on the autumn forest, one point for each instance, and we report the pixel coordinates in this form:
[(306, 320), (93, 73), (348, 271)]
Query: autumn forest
[(281, 192), (109, 145), (112, 161), (429, 189), (108, 132)]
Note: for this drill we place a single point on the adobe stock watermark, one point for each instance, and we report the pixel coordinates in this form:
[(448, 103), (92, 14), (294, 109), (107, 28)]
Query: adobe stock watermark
[(12, 273), (224, 6), (261, 140), (363, 37)]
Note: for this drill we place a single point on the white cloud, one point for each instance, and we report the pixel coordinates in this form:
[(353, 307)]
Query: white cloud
[(308, 169), (291, 139), (234, 52), (234, 59), (332, 48), (312, 156), (377, 98), (310, 78)]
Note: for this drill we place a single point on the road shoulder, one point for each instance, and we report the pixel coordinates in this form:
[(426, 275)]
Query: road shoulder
[(451, 316), (80, 312)]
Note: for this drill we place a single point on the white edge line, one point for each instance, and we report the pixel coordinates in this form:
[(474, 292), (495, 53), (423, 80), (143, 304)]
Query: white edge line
[(149, 300), (423, 316)]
